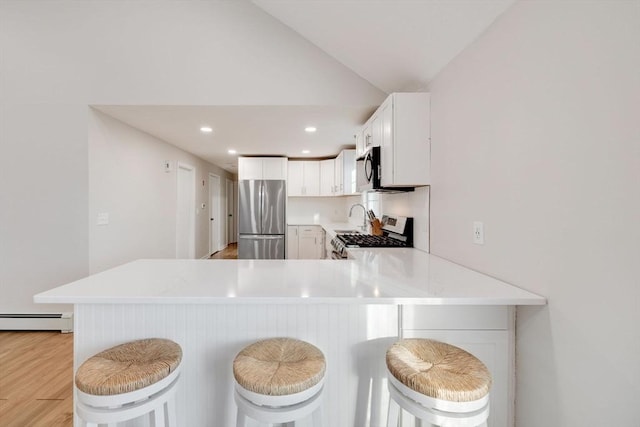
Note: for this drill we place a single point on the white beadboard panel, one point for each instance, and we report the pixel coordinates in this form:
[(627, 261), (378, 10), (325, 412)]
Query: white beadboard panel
[(354, 339)]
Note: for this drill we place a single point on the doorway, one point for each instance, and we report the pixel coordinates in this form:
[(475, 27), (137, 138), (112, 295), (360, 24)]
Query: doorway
[(186, 212), (215, 218)]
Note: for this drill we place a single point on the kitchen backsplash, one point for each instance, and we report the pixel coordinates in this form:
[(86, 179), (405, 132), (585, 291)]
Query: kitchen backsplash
[(314, 210), (413, 204)]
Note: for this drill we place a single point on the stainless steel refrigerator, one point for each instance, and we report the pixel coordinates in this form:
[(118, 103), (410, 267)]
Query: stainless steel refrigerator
[(261, 225)]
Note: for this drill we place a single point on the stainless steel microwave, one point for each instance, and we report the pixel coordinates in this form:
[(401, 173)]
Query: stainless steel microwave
[(369, 173)]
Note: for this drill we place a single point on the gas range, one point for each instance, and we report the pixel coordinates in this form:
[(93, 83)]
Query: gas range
[(369, 241), (397, 233)]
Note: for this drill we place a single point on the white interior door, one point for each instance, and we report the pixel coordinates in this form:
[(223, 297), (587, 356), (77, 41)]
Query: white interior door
[(231, 202), (215, 219), (186, 212)]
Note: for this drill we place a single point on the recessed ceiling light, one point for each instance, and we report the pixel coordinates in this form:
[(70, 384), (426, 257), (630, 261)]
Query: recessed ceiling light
[(206, 129), (231, 151), (305, 151), (310, 129)]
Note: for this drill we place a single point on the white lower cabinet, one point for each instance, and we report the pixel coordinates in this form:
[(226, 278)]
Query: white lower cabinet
[(305, 242), (291, 251), (487, 332)]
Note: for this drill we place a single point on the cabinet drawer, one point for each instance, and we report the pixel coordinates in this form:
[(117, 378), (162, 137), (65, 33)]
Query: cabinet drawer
[(310, 229), (451, 317)]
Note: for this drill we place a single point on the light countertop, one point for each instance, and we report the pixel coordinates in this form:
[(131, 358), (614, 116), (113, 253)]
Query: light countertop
[(371, 276)]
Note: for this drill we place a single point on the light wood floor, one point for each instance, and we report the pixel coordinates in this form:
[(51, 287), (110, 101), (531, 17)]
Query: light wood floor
[(230, 252), (36, 374), (36, 379)]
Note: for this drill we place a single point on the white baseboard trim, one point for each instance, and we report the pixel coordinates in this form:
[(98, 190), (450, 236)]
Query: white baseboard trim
[(62, 322)]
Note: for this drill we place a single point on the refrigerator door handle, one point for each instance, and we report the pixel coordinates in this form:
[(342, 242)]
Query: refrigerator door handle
[(262, 208), (261, 237)]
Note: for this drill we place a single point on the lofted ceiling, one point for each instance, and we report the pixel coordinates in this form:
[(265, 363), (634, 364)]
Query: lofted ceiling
[(395, 45)]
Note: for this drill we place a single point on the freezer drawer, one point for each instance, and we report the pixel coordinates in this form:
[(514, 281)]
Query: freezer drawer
[(261, 246)]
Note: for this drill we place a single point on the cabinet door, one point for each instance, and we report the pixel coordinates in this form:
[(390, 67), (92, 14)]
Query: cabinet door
[(311, 180), (338, 177), (274, 168), (327, 172), (292, 242), (487, 332), (376, 130), (310, 242), (349, 172), (320, 244), (367, 136), (249, 168), (410, 132), (360, 142), (295, 178), (386, 142), (492, 348)]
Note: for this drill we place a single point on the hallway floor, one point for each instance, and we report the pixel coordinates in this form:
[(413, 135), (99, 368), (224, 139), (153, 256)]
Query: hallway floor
[(230, 252)]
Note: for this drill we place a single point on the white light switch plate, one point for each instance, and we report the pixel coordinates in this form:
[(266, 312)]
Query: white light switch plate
[(103, 218)]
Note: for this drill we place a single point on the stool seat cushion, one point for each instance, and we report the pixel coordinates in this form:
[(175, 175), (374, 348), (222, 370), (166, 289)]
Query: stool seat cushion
[(279, 366), (438, 370), (128, 367)]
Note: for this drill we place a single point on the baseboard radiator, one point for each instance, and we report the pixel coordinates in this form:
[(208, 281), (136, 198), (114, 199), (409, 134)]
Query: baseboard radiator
[(62, 322)]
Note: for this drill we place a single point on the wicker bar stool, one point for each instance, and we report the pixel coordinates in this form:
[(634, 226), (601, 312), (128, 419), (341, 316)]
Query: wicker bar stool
[(279, 380), (437, 383), (128, 381)]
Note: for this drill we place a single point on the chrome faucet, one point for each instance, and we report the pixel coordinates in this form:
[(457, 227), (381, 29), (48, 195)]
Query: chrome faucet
[(364, 215)]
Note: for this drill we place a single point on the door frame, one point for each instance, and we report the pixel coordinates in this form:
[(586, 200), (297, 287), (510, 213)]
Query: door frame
[(191, 201), (215, 212)]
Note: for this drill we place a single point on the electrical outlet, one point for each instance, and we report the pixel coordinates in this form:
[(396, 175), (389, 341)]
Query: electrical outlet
[(478, 233)]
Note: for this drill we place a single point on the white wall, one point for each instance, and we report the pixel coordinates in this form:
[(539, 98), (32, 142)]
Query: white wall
[(59, 57), (536, 132), (127, 180)]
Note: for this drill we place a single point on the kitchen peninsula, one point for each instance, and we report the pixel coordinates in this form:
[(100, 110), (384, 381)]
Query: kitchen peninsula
[(352, 310)]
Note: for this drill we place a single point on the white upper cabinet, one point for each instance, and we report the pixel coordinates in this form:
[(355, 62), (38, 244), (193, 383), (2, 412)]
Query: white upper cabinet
[(366, 137), (345, 173), (331, 177), (338, 178), (274, 168), (303, 178), (327, 177), (262, 168), (359, 136), (401, 128)]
